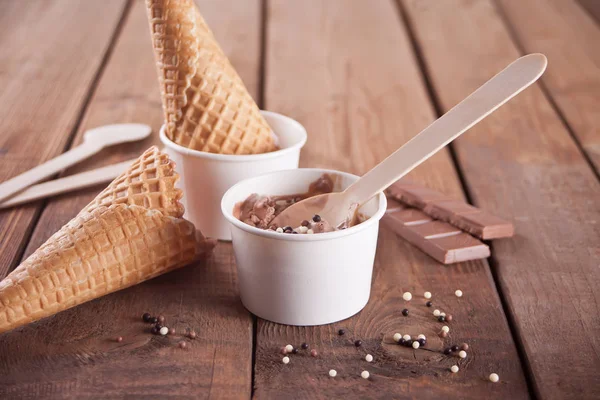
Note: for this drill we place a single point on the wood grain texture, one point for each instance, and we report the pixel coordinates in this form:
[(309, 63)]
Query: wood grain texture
[(522, 163), (570, 38), (73, 354), (360, 96), (51, 52)]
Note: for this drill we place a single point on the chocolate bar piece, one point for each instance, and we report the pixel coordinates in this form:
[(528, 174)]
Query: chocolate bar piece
[(442, 241), (458, 213)]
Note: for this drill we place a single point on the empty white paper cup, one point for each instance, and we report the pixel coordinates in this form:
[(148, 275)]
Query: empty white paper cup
[(303, 279), (205, 177)]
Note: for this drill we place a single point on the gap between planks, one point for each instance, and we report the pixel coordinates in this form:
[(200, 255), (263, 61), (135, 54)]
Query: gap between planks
[(514, 37)]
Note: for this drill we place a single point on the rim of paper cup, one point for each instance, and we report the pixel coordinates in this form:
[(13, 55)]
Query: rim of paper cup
[(381, 201), (241, 157)]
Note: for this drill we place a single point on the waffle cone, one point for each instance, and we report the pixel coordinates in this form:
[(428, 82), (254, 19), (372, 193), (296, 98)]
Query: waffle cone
[(112, 244), (206, 105)]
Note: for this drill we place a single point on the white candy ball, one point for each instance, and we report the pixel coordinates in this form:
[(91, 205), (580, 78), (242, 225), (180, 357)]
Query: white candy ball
[(494, 378), (458, 293), (365, 374), (415, 345), (310, 231), (164, 330), (406, 337), (279, 230), (427, 295), (436, 313), (421, 336), (285, 360), (397, 337), (442, 314), (462, 354), (454, 368), (445, 328), (407, 296), (332, 373), (289, 348), (369, 358)]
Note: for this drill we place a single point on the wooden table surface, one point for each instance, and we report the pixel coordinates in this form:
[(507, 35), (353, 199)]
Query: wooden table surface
[(363, 77)]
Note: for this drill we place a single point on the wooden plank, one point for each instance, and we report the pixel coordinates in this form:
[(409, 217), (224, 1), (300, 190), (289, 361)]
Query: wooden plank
[(73, 354), (360, 96), (51, 52), (521, 162), (573, 76)]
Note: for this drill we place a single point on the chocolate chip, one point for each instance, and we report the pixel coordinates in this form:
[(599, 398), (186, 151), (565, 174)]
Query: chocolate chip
[(153, 320), (429, 304), (405, 312), (304, 346), (358, 343), (422, 342), (305, 223), (454, 347), (402, 341), (316, 218), (441, 318), (154, 330), (146, 317), (161, 319), (295, 351), (447, 350), (341, 332)]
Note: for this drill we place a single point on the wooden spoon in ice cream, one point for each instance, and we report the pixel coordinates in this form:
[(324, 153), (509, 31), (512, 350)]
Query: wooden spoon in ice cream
[(340, 208)]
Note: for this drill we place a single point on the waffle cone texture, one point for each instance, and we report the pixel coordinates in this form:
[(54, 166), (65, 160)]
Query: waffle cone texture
[(206, 105), (131, 232)]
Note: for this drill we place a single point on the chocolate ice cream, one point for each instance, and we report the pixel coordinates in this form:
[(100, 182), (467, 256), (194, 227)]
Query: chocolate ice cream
[(259, 211)]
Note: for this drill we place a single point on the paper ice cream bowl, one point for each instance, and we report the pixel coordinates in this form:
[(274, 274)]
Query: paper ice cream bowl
[(205, 177), (304, 279)]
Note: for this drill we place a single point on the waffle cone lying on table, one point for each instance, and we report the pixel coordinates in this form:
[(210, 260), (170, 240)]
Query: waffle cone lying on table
[(206, 105), (131, 232)]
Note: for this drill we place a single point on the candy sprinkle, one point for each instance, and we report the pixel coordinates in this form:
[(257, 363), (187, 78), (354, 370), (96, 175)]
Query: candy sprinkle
[(407, 296), (445, 328), (427, 295), (415, 344), (368, 358), (458, 293), (289, 348), (494, 378), (332, 373), (397, 337), (285, 360), (462, 354), (436, 313), (454, 369), (406, 337), (365, 374)]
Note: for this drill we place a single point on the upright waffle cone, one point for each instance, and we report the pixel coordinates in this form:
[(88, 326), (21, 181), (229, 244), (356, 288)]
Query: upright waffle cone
[(206, 105), (111, 245)]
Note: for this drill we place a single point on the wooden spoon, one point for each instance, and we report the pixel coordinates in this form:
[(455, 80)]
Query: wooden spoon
[(94, 140), (339, 208)]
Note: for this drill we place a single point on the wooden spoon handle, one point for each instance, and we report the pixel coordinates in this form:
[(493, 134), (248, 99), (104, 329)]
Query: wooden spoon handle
[(494, 93), (67, 184), (47, 169)]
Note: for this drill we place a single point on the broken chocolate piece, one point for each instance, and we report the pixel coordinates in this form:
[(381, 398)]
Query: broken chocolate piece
[(457, 213)]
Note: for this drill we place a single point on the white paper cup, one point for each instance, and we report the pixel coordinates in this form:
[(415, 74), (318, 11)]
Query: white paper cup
[(303, 279), (205, 177)]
